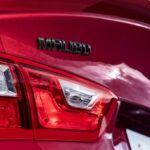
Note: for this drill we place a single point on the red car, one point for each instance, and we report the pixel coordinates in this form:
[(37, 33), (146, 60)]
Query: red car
[(74, 75)]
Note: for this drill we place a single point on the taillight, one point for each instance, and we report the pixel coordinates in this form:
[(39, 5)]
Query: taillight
[(69, 103), (41, 102), (9, 110)]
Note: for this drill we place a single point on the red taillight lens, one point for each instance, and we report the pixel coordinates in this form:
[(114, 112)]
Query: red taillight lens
[(67, 103), (9, 114)]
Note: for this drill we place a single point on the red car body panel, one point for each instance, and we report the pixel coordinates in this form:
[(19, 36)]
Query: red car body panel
[(119, 57), (114, 41)]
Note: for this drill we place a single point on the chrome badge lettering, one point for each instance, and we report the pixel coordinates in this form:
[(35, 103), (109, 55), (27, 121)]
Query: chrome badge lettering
[(63, 46)]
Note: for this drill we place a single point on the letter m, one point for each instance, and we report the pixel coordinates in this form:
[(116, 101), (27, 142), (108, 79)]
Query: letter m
[(43, 43)]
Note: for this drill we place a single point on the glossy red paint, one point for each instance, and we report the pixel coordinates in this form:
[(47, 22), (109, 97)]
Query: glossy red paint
[(115, 40)]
